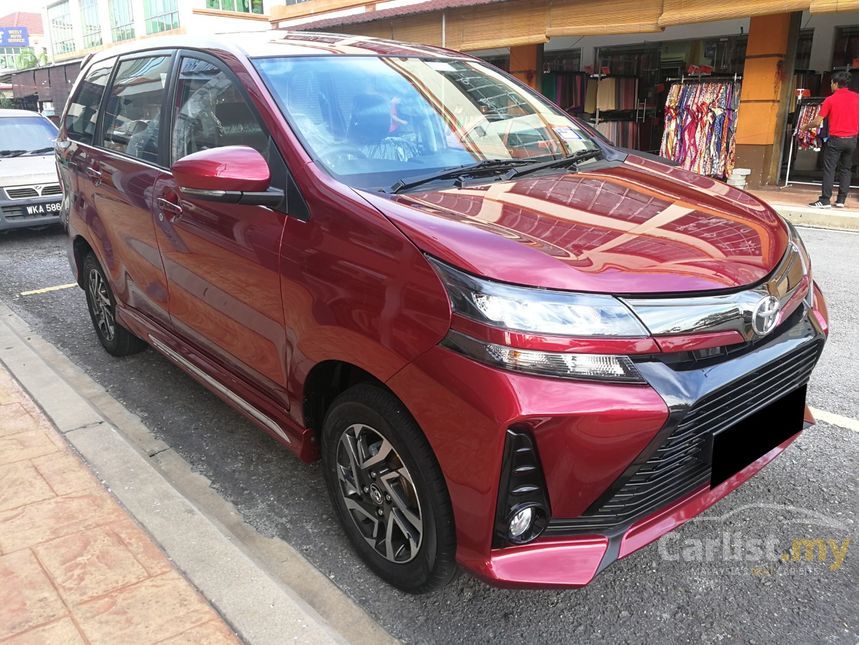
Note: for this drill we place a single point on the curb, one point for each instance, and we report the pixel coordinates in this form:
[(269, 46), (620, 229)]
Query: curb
[(213, 548), (819, 218)]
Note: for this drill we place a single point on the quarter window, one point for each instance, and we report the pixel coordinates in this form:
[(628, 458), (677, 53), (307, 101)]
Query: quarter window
[(80, 121), (211, 112), (133, 113)]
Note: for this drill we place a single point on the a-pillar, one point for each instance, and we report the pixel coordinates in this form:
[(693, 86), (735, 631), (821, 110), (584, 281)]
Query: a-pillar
[(526, 63), (768, 71)]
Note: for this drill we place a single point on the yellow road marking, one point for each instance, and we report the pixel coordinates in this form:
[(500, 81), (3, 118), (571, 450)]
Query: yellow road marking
[(836, 419), (59, 287)]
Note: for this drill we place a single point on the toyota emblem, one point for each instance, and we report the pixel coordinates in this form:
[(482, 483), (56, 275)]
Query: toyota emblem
[(765, 315)]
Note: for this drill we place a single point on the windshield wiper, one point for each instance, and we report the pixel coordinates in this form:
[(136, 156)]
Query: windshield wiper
[(487, 165), (563, 162), (11, 153), (40, 151)]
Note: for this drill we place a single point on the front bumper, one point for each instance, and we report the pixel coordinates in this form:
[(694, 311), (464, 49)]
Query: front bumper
[(592, 439), (14, 212)]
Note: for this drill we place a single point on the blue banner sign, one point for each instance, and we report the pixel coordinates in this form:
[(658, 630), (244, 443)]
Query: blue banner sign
[(14, 37)]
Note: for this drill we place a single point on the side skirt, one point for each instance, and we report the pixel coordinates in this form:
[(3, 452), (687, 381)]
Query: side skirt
[(241, 396)]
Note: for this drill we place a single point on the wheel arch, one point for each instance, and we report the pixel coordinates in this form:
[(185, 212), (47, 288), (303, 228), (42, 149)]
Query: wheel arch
[(325, 381), (80, 249)]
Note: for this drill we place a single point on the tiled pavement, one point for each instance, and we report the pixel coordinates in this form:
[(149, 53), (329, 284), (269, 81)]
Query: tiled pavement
[(74, 566)]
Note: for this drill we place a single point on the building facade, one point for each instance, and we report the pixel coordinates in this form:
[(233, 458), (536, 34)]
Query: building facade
[(78, 27), (32, 47)]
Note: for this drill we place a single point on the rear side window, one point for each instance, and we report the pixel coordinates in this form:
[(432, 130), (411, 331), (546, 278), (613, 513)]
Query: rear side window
[(133, 113), (212, 112), (80, 122)]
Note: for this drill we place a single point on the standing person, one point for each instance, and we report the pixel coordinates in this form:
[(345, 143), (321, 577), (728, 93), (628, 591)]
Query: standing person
[(840, 108)]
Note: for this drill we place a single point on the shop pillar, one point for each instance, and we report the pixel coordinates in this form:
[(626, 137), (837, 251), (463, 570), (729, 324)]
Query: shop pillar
[(526, 63), (768, 71)]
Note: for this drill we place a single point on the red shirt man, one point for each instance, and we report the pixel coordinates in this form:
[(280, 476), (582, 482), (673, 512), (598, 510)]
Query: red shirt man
[(841, 111), (841, 108)]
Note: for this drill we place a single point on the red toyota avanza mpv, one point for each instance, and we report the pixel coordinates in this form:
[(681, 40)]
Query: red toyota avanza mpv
[(514, 346)]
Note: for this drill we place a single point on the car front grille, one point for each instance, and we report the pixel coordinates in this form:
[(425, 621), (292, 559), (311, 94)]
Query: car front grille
[(681, 463), (25, 192)]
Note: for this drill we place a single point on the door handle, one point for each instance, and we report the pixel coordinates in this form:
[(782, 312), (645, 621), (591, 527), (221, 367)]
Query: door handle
[(167, 206), (94, 174)]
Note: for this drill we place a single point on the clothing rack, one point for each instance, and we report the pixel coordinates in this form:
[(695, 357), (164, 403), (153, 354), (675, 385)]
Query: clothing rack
[(700, 123), (792, 145), (698, 78)]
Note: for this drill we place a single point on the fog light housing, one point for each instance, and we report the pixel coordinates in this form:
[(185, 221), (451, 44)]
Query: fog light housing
[(520, 522), (522, 510)]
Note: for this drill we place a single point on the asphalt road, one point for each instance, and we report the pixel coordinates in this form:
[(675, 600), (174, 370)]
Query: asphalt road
[(721, 577)]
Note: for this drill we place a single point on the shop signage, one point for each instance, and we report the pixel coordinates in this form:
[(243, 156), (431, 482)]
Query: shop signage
[(14, 37)]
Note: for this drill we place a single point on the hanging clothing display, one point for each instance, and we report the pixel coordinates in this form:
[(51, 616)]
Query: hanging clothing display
[(806, 139), (699, 126), (591, 96), (566, 89), (622, 133), (616, 93)]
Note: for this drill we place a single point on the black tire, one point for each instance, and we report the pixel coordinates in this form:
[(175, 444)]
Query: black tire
[(367, 410), (116, 339)]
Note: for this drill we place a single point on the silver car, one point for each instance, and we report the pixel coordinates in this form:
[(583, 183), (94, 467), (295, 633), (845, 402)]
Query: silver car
[(30, 193)]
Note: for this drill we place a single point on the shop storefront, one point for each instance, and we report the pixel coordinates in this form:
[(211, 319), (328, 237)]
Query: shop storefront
[(702, 61), (714, 85)]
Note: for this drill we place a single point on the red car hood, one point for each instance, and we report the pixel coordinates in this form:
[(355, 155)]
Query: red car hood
[(633, 227)]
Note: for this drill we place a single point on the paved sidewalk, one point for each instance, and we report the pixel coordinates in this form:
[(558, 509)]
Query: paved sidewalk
[(74, 565), (793, 204)]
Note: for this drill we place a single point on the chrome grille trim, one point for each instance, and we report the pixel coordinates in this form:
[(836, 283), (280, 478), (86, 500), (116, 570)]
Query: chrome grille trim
[(729, 312), (35, 190)]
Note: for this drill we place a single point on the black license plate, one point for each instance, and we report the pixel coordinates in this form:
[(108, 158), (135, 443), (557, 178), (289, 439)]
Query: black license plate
[(738, 446), (44, 209)]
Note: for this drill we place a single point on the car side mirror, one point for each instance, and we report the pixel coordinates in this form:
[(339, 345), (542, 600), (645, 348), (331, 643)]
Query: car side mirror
[(231, 174)]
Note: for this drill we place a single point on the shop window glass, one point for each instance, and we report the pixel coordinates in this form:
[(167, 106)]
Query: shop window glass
[(244, 6), (60, 21), (90, 24), (121, 20), (160, 15)]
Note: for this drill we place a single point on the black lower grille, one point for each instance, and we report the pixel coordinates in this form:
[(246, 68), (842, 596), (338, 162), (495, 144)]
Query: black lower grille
[(682, 463)]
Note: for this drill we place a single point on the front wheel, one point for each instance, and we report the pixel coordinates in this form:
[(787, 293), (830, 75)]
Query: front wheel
[(388, 490), (101, 303)]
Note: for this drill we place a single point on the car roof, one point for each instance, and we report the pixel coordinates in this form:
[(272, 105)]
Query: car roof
[(10, 112), (280, 42)]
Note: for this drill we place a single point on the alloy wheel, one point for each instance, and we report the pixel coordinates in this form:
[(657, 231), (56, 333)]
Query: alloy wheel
[(101, 304), (379, 493)]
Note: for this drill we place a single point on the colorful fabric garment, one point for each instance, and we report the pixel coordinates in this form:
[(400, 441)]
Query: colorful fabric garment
[(805, 138), (700, 120)]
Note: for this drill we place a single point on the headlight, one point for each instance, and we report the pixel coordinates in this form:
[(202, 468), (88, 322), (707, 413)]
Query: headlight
[(538, 311), (795, 239), (805, 260), (543, 312)]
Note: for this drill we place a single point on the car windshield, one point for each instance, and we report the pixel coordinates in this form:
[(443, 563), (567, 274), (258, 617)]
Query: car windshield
[(24, 135), (372, 120)]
